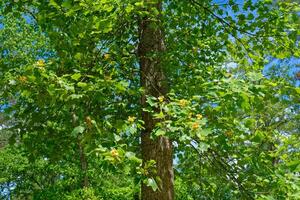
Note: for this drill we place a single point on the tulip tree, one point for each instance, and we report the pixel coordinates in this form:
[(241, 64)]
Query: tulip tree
[(137, 86)]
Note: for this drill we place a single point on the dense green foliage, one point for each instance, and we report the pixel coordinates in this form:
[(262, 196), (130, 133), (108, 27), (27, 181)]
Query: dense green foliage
[(70, 95)]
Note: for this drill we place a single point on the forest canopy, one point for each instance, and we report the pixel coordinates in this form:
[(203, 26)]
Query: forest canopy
[(149, 99)]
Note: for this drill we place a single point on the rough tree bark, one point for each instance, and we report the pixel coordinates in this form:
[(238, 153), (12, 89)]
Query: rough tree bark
[(153, 80), (83, 165)]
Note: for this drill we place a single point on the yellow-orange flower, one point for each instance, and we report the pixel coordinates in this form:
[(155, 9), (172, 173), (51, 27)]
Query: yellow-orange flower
[(106, 56), (195, 126), (40, 63), (161, 99), (131, 119), (88, 121), (199, 116), (229, 133), (114, 153), (23, 79), (183, 102)]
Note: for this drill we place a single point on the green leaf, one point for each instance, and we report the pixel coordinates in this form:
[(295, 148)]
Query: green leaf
[(294, 166), (152, 101), (75, 96), (129, 8), (78, 56), (54, 4), (160, 132), (202, 134), (26, 93), (103, 25), (235, 8), (152, 183), (131, 156), (76, 76), (67, 4), (160, 115), (82, 85), (245, 101), (77, 130), (202, 147), (122, 86)]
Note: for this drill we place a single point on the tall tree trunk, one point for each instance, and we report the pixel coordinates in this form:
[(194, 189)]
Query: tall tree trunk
[(83, 165), (153, 80)]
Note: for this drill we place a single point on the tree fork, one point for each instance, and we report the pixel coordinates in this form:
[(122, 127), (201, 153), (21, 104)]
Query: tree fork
[(153, 80)]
